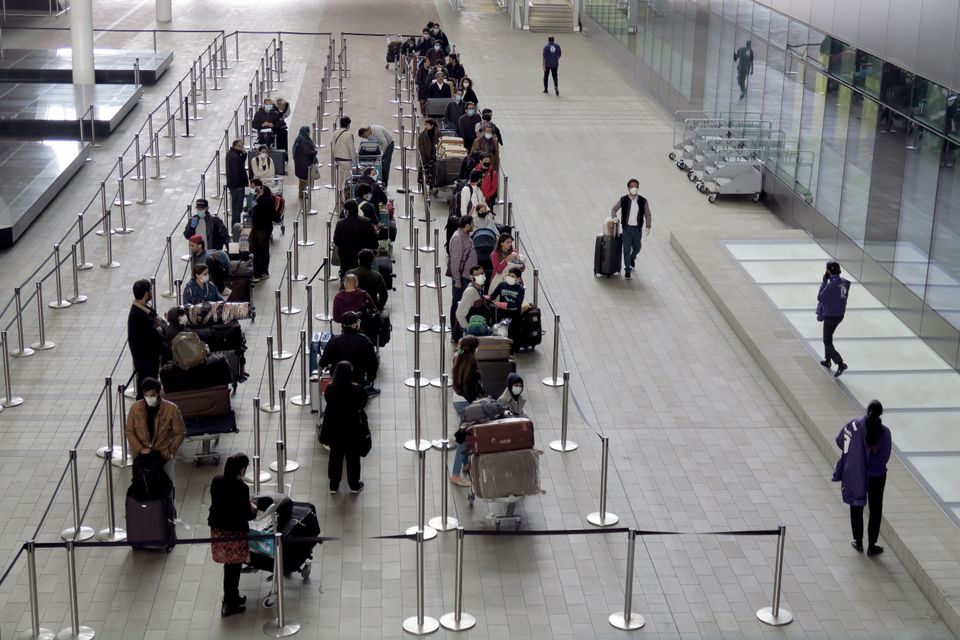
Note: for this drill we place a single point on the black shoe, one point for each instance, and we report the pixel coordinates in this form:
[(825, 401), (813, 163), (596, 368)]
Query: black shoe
[(358, 489), (874, 550), (239, 602), (545, 91), (373, 392), (557, 90), (826, 363), (857, 545), (626, 274), (840, 369), (228, 610)]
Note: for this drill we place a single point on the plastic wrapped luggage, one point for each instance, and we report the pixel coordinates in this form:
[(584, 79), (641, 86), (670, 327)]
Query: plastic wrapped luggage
[(505, 474), (213, 312), (493, 375), (297, 555), (213, 372), (505, 434), (493, 348), (482, 410), (608, 255), (223, 337)]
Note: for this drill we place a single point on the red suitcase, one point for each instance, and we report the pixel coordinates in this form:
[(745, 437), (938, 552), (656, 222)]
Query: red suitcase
[(507, 434)]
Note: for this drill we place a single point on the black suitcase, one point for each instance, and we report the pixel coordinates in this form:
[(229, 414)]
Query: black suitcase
[(241, 288), (493, 375), (385, 267), (303, 523), (608, 255), (530, 331), (151, 523), (393, 52)]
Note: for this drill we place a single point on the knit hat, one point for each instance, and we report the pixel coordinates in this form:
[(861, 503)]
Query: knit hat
[(196, 238)]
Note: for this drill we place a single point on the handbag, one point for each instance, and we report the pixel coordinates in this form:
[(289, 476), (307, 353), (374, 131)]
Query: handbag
[(366, 440), (315, 171), (335, 256)]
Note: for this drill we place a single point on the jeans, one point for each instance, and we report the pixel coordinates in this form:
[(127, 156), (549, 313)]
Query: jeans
[(631, 245), (385, 164), (231, 583), (236, 204), (546, 72), (335, 469), (830, 324), (456, 331), (875, 501), (459, 458)]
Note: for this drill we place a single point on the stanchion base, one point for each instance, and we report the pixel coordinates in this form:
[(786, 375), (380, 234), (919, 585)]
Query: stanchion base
[(322, 316), (564, 447), (427, 248), (110, 265), (100, 233), (436, 382), (78, 299), (449, 621), (86, 266), (9, 403), (290, 311), (274, 631), (174, 155), (43, 346), (414, 445), (429, 533), (401, 216), (121, 463), (83, 633), (117, 535), (264, 477), (24, 353), (620, 622), (300, 401), (288, 467), (553, 382), (436, 328), (298, 278), (406, 249), (42, 634), (439, 524), (412, 382), (125, 203), (411, 626), (116, 455), (440, 444), (433, 285), (606, 520), (185, 258), (333, 278), (269, 408), (59, 304), (418, 328), (766, 616), (308, 243), (70, 534), (281, 355)]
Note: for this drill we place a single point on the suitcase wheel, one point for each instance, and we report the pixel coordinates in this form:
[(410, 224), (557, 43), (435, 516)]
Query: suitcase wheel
[(268, 602), (283, 229)]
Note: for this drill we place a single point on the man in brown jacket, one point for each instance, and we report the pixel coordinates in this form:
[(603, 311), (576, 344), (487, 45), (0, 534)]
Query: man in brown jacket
[(155, 425)]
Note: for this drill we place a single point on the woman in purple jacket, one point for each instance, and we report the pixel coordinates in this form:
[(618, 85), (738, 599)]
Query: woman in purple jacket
[(865, 444)]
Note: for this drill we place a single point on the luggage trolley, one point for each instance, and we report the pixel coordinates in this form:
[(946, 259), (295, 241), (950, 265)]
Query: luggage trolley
[(702, 136), (293, 519), (685, 123)]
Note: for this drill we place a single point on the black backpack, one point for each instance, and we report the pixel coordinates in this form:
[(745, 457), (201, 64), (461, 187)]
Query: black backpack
[(150, 482)]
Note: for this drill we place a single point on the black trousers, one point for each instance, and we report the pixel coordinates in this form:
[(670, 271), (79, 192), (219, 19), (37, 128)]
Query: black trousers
[(335, 469), (830, 324), (546, 72), (260, 248), (231, 583), (237, 197), (875, 502), (145, 369)]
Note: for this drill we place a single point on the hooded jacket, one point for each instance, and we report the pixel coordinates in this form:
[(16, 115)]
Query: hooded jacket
[(513, 403), (851, 469), (833, 297)]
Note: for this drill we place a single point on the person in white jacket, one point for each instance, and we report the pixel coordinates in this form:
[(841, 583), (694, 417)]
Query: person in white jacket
[(261, 165), (344, 150)]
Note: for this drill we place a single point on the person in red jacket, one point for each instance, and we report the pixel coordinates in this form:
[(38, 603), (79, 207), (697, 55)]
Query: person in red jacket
[(352, 298), (490, 182)]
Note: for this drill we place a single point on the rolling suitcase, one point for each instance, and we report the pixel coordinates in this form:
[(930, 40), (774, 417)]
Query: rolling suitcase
[(505, 474), (493, 375), (385, 267), (493, 348), (151, 523), (530, 332), (318, 342), (505, 434), (608, 255)]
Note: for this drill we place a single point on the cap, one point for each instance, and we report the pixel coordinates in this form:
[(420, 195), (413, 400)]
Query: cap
[(350, 318), (196, 238), (201, 202)]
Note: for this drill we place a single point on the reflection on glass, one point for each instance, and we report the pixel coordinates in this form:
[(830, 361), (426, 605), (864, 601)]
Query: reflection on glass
[(841, 58), (861, 132), (811, 129), (867, 73), (945, 252), (743, 58), (772, 97), (745, 14), (929, 103), (710, 73), (726, 92), (778, 29), (817, 49), (761, 21), (730, 10), (755, 82), (896, 85), (832, 148), (676, 40), (689, 44), (793, 163)]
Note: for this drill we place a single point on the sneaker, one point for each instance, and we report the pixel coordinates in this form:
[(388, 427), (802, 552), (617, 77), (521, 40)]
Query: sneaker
[(373, 392), (857, 545), (626, 274), (358, 489), (545, 91), (874, 550), (460, 482), (840, 369), (825, 363), (557, 90)]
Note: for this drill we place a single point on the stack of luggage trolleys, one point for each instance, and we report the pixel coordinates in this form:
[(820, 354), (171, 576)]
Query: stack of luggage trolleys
[(293, 520)]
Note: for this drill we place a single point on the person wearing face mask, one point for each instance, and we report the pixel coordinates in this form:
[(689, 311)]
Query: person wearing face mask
[(381, 135), (504, 257), (469, 95), (473, 303), (304, 155), (352, 234), (261, 165), (462, 260), (436, 55), (344, 151), (200, 289), (507, 299), (155, 425), (143, 336), (262, 216), (634, 210), (425, 44), (831, 308), (265, 122), (455, 109), (487, 116), (427, 148), (512, 398), (208, 227), (368, 210), (454, 69), (368, 177), (467, 127), (237, 180), (439, 36), (282, 108), (487, 149)]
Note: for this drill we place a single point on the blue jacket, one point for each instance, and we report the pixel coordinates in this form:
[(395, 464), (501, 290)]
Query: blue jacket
[(851, 469), (833, 297), (194, 293), (551, 56)]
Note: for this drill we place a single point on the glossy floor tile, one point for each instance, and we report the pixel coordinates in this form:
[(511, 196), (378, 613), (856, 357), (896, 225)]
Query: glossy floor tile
[(886, 355), (942, 473), (925, 430), (857, 323), (777, 251), (804, 296), (933, 390)]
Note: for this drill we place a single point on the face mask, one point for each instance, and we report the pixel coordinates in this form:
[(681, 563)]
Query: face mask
[(268, 107), (488, 117), (201, 212), (471, 112), (466, 85), (202, 279), (480, 279), (511, 280), (458, 98), (182, 320), (488, 135), (263, 156), (517, 390), (152, 401), (634, 191)]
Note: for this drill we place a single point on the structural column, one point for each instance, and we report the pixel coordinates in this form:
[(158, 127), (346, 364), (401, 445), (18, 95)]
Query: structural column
[(81, 40), (164, 10)]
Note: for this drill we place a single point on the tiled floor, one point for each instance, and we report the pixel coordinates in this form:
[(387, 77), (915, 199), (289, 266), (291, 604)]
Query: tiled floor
[(700, 441)]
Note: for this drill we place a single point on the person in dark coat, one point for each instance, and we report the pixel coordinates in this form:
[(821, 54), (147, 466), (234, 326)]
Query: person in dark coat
[(427, 147), (551, 63), (369, 278), (262, 216), (831, 307), (469, 95), (467, 127), (230, 513), (865, 445), (266, 118), (304, 155), (356, 348), (236, 178), (345, 429), (466, 383), (210, 227), (143, 336), (352, 234)]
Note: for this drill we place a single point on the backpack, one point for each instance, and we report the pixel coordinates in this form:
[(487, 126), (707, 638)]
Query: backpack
[(149, 481), (455, 198), (483, 410), (484, 242), (279, 204), (188, 350)]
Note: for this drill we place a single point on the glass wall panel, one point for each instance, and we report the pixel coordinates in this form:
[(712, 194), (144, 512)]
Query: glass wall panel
[(730, 10), (896, 86), (754, 99), (710, 73), (676, 42), (761, 21), (832, 149), (917, 203), (689, 48), (868, 73), (793, 162), (817, 48), (943, 280), (861, 132), (778, 29), (841, 58), (811, 129), (745, 14), (656, 40), (727, 91), (929, 103), (772, 100)]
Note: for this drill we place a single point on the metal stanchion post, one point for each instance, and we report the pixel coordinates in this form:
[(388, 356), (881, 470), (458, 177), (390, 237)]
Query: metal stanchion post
[(626, 620), (281, 453), (256, 476), (441, 329), (78, 531), (169, 293), (309, 294), (305, 241), (416, 354), (77, 297), (775, 615), (536, 288), (295, 275), (110, 449), (104, 211), (457, 620), (109, 262), (124, 459), (177, 285), (506, 196), (75, 631), (563, 445), (420, 625), (9, 400), (172, 122), (136, 156), (279, 354), (42, 344), (509, 214), (554, 380), (438, 285), (437, 282), (303, 400), (289, 466), (217, 185), (429, 533), (288, 309), (120, 176), (36, 631), (428, 248), (271, 406), (326, 294), (112, 533), (417, 283), (123, 203), (308, 200), (279, 628), (603, 518), (157, 175), (418, 443), (82, 264), (22, 351), (444, 522), (414, 241), (60, 302), (331, 277), (144, 200)]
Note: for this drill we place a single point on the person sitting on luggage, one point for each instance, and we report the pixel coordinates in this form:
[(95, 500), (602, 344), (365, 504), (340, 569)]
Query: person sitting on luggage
[(197, 249), (369, 278), (153, 424), (266, 118), (352, 234), (351, 298), (344, 428), (486, 144), (507, 300), (469, 95), (466, 127), (466, 383), (368, 176), (512, 399), (209, 227), (472, 303), (455, 109), (427, 147), (370, 211), (454, 69), (490, 182), (261, 165), (357, 349), (200, 289), (504, 257), (230, 513)]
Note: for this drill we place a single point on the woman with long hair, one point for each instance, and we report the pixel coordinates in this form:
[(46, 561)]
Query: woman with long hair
[(466, 383), (230, 513), (345, 429)]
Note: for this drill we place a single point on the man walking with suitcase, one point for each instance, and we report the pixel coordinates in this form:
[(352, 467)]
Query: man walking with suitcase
[(551, 62), (633, 209)]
